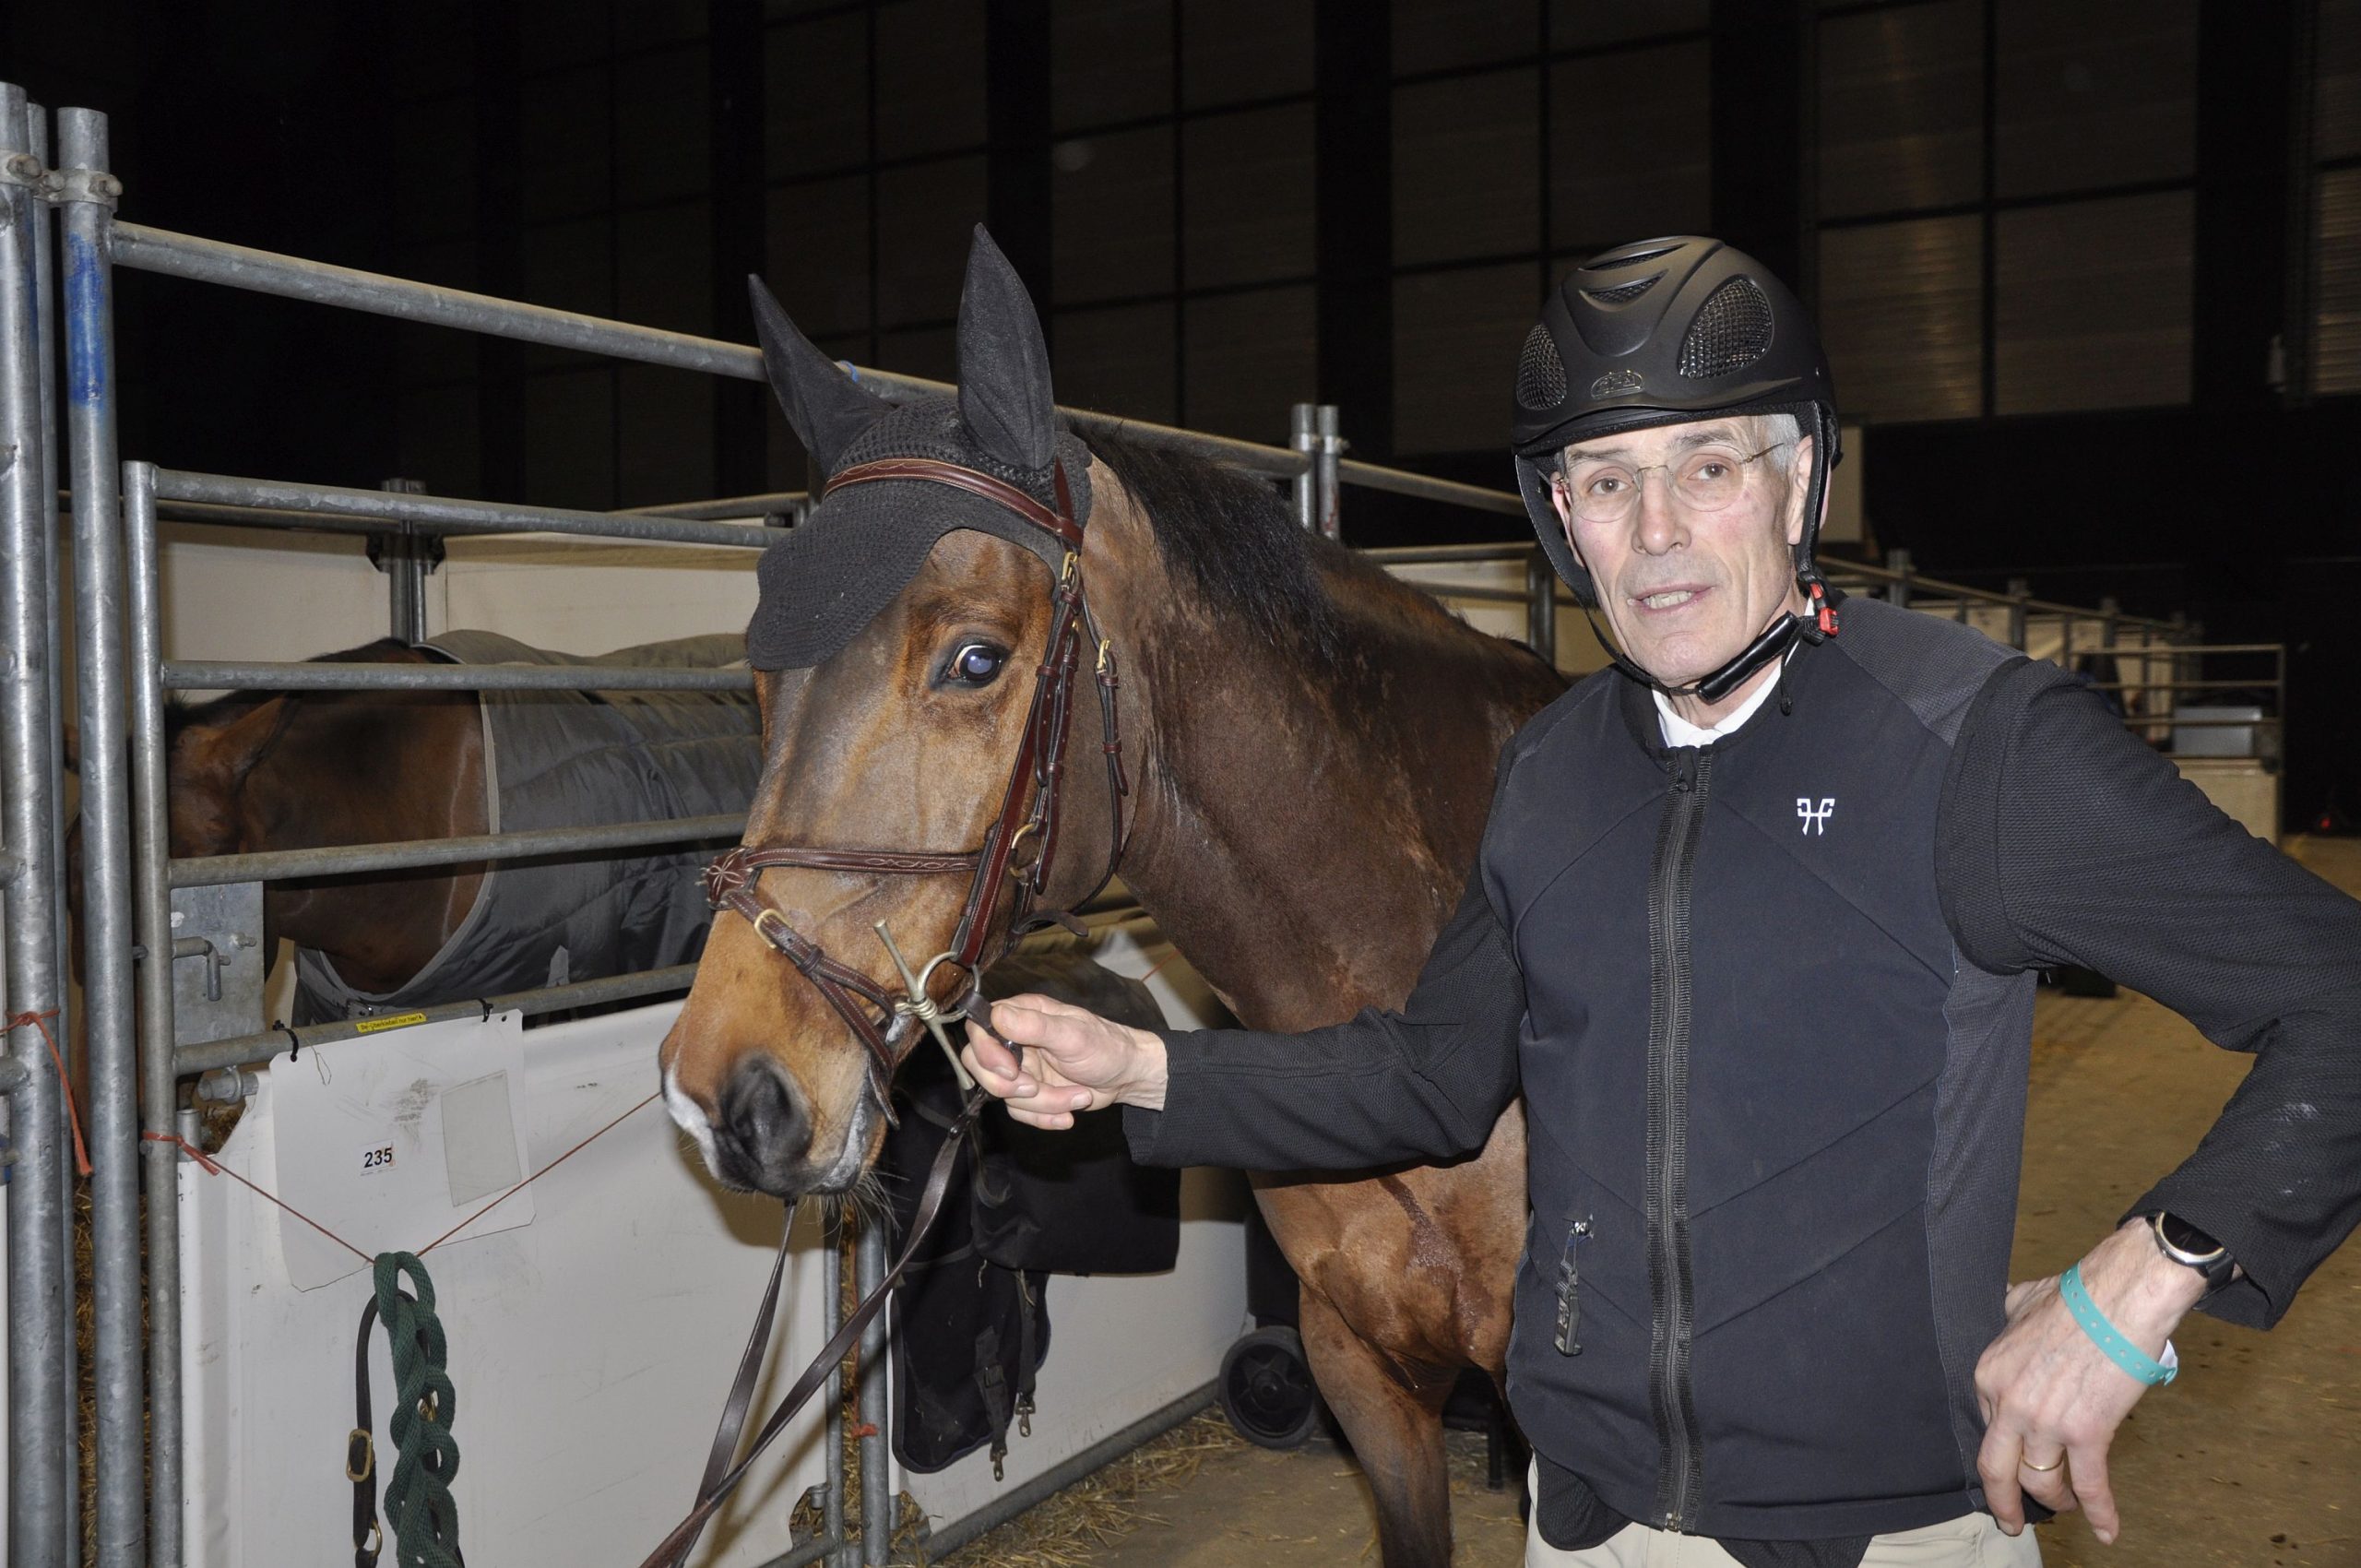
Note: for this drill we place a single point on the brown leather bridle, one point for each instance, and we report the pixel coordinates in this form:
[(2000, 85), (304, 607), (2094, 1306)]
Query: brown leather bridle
[(1023, 839)]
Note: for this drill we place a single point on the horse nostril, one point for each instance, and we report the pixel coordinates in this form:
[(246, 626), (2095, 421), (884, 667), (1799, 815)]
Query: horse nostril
[(763, 1126)]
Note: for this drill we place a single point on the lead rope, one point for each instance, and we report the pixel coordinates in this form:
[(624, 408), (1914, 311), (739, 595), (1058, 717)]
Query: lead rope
[(417, 1495)]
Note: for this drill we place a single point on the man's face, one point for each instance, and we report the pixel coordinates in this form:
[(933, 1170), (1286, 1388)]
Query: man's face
[(1685, 587)]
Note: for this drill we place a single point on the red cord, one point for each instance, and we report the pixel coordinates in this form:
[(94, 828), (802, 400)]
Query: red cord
[(214, 1168), (65, 1085)]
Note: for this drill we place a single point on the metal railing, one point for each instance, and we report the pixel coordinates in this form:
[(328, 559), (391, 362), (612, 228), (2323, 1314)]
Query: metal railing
[(137, 1063)]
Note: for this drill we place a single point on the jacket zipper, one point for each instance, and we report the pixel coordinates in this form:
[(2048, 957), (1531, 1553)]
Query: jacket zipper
[(1682, 1477)]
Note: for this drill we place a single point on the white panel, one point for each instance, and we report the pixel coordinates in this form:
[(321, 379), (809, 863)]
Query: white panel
[(590, 1349), (591, 596)]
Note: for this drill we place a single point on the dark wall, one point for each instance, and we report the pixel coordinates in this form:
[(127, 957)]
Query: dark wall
[(2086, 294)]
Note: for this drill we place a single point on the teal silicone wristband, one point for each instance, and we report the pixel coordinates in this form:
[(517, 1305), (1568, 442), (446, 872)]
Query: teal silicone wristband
[(2105, 1336)]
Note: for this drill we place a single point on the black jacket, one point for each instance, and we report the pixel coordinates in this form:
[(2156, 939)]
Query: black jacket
[(1770, 1004)]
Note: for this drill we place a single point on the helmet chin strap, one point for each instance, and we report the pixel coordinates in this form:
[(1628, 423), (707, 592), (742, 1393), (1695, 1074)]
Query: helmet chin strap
[(1816, 624)]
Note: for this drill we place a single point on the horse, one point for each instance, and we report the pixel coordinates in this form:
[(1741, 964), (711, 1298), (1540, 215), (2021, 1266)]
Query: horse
[(1306, 749), (260, 770)]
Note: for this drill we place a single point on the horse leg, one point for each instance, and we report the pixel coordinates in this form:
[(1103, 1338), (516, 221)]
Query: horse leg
[(1394, 1422)]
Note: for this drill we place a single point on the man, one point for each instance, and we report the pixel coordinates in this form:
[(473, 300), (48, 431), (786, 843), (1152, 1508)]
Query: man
[(1754, 927)]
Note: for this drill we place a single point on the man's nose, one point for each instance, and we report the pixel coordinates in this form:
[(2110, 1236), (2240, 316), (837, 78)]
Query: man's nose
[(1655, 521)]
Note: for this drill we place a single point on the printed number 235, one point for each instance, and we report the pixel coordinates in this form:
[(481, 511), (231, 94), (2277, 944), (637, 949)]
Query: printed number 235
[(375, 1158)]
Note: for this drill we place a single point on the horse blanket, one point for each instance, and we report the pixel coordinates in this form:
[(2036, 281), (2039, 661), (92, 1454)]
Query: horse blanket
[(578, 759)]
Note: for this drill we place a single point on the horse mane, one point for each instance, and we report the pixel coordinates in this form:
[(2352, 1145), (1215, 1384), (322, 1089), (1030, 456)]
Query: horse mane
[(1232, 538), (181, 714)]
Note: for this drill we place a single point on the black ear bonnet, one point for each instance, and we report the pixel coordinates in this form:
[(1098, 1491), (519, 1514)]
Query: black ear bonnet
[(858, 549)]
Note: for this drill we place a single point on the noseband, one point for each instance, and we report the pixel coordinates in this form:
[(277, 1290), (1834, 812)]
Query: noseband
[(1021, 845)]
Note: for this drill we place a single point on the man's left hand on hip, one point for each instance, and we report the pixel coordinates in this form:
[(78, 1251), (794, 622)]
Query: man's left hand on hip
[(2052, 1398)]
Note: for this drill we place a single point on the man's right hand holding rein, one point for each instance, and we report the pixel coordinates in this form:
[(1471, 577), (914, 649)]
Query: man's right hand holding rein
[(1078, 1061)]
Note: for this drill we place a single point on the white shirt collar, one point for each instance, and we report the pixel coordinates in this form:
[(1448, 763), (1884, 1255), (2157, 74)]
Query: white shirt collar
[(1678, 732)]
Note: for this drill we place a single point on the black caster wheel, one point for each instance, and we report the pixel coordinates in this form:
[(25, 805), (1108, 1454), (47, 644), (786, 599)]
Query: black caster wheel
[(1267, 1389)]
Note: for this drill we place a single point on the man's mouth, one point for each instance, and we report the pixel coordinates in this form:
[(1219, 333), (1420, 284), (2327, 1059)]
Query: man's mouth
[(1666, 599)]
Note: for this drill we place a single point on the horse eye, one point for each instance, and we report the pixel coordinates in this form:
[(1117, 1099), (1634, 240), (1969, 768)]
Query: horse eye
[(974, 664)]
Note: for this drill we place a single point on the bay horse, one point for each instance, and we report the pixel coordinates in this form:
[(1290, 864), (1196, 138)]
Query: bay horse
[(263, 770), (1309, 745)]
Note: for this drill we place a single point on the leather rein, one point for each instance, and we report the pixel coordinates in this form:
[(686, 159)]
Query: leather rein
[(1020, 845)]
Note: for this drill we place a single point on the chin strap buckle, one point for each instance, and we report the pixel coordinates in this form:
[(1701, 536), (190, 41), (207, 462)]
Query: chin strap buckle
[(1823, 614)]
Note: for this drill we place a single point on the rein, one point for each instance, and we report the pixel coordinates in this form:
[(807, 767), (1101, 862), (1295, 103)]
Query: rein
[(1021, 843)]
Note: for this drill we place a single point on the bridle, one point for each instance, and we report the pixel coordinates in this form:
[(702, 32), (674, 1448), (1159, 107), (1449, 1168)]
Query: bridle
[(1022, 841)]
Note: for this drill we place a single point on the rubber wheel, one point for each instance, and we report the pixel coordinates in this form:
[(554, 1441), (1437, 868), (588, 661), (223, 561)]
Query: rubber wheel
[(1267, 1389)]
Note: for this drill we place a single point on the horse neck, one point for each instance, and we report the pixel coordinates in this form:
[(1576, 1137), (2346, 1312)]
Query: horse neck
[(1302, 833), (345, 773)]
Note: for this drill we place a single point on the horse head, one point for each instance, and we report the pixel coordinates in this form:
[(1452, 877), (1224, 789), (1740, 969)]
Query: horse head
[(933, 744)]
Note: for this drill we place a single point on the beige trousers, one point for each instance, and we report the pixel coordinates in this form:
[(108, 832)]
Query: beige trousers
[(1972, 1540)]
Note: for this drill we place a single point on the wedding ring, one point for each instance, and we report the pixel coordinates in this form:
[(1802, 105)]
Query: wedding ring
[(2043, 1469)]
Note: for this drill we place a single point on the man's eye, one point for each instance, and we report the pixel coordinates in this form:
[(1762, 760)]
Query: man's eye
[(1712, 468), (974, 664), (1605, 484)]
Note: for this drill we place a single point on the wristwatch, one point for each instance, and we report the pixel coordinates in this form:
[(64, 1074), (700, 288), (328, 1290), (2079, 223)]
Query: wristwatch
[(2193, 1248)]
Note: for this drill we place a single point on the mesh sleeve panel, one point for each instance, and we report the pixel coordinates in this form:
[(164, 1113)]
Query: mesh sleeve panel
[(2067, 840)]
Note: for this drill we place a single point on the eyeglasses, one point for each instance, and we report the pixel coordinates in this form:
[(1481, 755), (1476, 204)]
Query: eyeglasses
[(1704, 481)]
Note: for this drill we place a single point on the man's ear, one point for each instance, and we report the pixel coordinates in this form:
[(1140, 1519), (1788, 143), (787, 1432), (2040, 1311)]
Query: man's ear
[(1800, 488)]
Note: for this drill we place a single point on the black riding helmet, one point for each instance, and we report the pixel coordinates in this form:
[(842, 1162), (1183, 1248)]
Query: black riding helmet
[(1663, 332)]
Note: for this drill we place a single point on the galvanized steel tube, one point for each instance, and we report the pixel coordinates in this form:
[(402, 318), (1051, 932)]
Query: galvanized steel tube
[(236, 267), (409, 854), (239, 1049), (159, 1082), (45, 335), (443, 515), (41, 1497), (106, 859), (227, 675), (1369, 476), (876, 1490)]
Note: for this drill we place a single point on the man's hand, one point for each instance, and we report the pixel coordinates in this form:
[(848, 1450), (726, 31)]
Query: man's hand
[(1079, 1061), (2049, 1394)]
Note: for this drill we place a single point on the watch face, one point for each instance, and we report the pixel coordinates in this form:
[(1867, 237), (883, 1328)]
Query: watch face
[(2181, 1236)]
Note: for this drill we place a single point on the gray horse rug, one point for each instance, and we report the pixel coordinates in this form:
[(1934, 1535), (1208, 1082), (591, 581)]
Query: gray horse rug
[(580, 759)]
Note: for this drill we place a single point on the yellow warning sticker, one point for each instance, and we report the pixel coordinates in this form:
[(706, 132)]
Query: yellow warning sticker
[(393, 1021)]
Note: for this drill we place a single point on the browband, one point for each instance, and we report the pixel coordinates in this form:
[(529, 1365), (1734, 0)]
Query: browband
[(976, 483)]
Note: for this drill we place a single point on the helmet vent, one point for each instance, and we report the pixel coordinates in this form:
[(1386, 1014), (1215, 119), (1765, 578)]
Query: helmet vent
[(1622, 292), (1540, 373), (1732, 331)]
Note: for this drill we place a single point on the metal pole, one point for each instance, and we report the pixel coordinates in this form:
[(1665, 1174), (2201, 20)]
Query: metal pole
[(1541, 607), (876, 1495), (831, 1318), (158, 1089), (404, 561), (1328, 494), (106, 852), (1897, 592), (69, 1373), (40, 1509), (2020, 590), (1304, 427)]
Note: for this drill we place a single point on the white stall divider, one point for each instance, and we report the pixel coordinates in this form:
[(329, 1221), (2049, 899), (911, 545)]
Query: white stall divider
[(589, 1350), (393, 1138)]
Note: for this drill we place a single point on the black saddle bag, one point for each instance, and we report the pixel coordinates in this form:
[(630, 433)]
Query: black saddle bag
[(971, 1322)]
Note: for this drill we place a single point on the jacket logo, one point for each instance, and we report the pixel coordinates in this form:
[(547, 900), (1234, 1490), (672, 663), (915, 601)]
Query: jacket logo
[(1815, 821)]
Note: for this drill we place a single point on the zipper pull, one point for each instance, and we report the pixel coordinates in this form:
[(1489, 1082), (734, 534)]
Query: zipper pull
[(1568, 1296)]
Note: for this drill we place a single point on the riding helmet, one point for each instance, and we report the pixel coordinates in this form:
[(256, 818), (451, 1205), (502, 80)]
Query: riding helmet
[(1662, 332)]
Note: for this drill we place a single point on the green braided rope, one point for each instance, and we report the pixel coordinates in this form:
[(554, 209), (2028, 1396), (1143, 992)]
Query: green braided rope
[(417, 1495)]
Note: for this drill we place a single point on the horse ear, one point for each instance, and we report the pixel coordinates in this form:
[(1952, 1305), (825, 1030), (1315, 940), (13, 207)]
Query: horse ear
[(826, 407), (1004, 396)]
